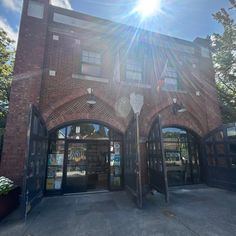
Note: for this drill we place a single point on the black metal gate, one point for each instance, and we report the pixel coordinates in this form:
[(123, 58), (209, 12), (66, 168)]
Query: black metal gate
[(156, 160), (219, 151), (131, 162), (35, 167)]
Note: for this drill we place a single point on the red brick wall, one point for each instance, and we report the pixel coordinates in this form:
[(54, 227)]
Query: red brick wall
[(25, 90), (62, 99)]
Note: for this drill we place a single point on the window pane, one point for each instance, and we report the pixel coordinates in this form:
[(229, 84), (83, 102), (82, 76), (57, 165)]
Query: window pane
[(35, 9), (174, 135), (171, 72), (55, 165), (91, 57), (91, 70), (115, 165), (231, 132), (171, 84), (61, 133), (85, 53), (130, 75), (134, 69), (88, 131)]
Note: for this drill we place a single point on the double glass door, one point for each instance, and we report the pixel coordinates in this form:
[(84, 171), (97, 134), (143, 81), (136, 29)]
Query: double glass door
[(87, 166)]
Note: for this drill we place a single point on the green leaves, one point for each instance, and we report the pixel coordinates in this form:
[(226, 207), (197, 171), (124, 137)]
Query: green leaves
[(7, 54), (5, 185), (224, 59)]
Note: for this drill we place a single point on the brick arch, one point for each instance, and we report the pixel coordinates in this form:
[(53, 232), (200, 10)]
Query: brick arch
[(186, 120), (78, 109), (50, 108)]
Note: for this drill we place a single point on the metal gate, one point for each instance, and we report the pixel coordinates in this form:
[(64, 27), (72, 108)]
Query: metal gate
[(35, 166), (156, 160), (219, 151), (131, 163)]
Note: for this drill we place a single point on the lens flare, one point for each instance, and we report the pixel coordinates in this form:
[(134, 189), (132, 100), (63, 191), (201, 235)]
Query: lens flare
[(148, 8)]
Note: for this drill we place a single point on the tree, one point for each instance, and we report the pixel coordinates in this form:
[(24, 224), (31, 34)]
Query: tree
[(6, 71), (224, 59)]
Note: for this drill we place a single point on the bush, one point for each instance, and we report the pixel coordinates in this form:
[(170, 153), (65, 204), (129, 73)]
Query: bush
[(6, 185)]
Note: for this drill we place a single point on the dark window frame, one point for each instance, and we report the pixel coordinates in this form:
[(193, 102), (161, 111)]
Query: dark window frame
[(177, 77), (133, 61), (95, 65)]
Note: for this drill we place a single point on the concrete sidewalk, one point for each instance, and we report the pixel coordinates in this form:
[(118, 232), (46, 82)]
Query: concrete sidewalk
[(192, 211)]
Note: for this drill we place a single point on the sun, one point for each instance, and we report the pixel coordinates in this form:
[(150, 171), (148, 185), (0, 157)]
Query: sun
[(147, 8)]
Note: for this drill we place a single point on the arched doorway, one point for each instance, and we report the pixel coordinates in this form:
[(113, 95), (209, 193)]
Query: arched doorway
[(181, 152), (84, 156)]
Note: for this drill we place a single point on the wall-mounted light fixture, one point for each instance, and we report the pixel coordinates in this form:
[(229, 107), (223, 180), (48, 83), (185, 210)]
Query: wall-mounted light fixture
[(177, 108), (91, 98)]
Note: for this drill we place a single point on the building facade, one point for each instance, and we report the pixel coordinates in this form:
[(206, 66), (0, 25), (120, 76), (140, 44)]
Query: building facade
[(78, 71)]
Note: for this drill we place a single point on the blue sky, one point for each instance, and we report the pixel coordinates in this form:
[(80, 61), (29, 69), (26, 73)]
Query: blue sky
[(186, 19)]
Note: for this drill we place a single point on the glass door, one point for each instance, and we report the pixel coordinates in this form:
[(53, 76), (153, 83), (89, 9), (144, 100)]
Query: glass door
[(87, 166), (76, 168), (97, 165)]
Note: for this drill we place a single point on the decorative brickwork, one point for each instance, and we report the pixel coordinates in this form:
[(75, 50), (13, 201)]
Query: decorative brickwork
[(78, 109)]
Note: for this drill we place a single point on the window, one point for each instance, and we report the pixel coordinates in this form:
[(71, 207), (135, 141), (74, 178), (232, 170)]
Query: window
[(171, 78), (134, 70), (170, 84), (35, 9), (231, 132), (91, 63), (205, 52), (181, 152)]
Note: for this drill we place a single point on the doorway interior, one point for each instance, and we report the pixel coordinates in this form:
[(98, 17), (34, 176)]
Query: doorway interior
[(182, 159), (87, 166), (84, 156)]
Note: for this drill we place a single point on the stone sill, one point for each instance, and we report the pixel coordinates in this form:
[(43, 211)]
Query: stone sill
[(90, 78), (174, 91), (139, 85)]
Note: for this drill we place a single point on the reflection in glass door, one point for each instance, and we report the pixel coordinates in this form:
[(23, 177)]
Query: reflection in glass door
[(87, 167), (84, 156), (76, 180)]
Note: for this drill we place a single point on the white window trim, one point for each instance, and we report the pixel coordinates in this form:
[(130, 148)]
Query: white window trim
[(90, 78)]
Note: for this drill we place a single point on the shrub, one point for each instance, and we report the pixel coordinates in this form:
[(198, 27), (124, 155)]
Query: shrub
[(5, 185)]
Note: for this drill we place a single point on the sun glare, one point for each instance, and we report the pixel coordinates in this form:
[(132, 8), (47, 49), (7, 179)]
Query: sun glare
[(148, 8)]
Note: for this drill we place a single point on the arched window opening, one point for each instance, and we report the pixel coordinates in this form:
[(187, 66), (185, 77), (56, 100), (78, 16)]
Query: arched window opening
[(84, 156), (181, 150)]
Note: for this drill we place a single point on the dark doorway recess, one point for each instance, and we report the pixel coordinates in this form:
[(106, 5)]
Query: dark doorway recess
[(173, 157), (219, 149), (87, 166), (182, 156)]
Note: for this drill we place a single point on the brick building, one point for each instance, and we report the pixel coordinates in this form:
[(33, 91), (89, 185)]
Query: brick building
[(79, 71)]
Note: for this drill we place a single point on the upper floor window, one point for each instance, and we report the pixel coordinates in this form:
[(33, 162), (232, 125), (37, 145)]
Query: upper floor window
[(171, 78), (134, 70), (205, 52), (35, 9), (91, 63)]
